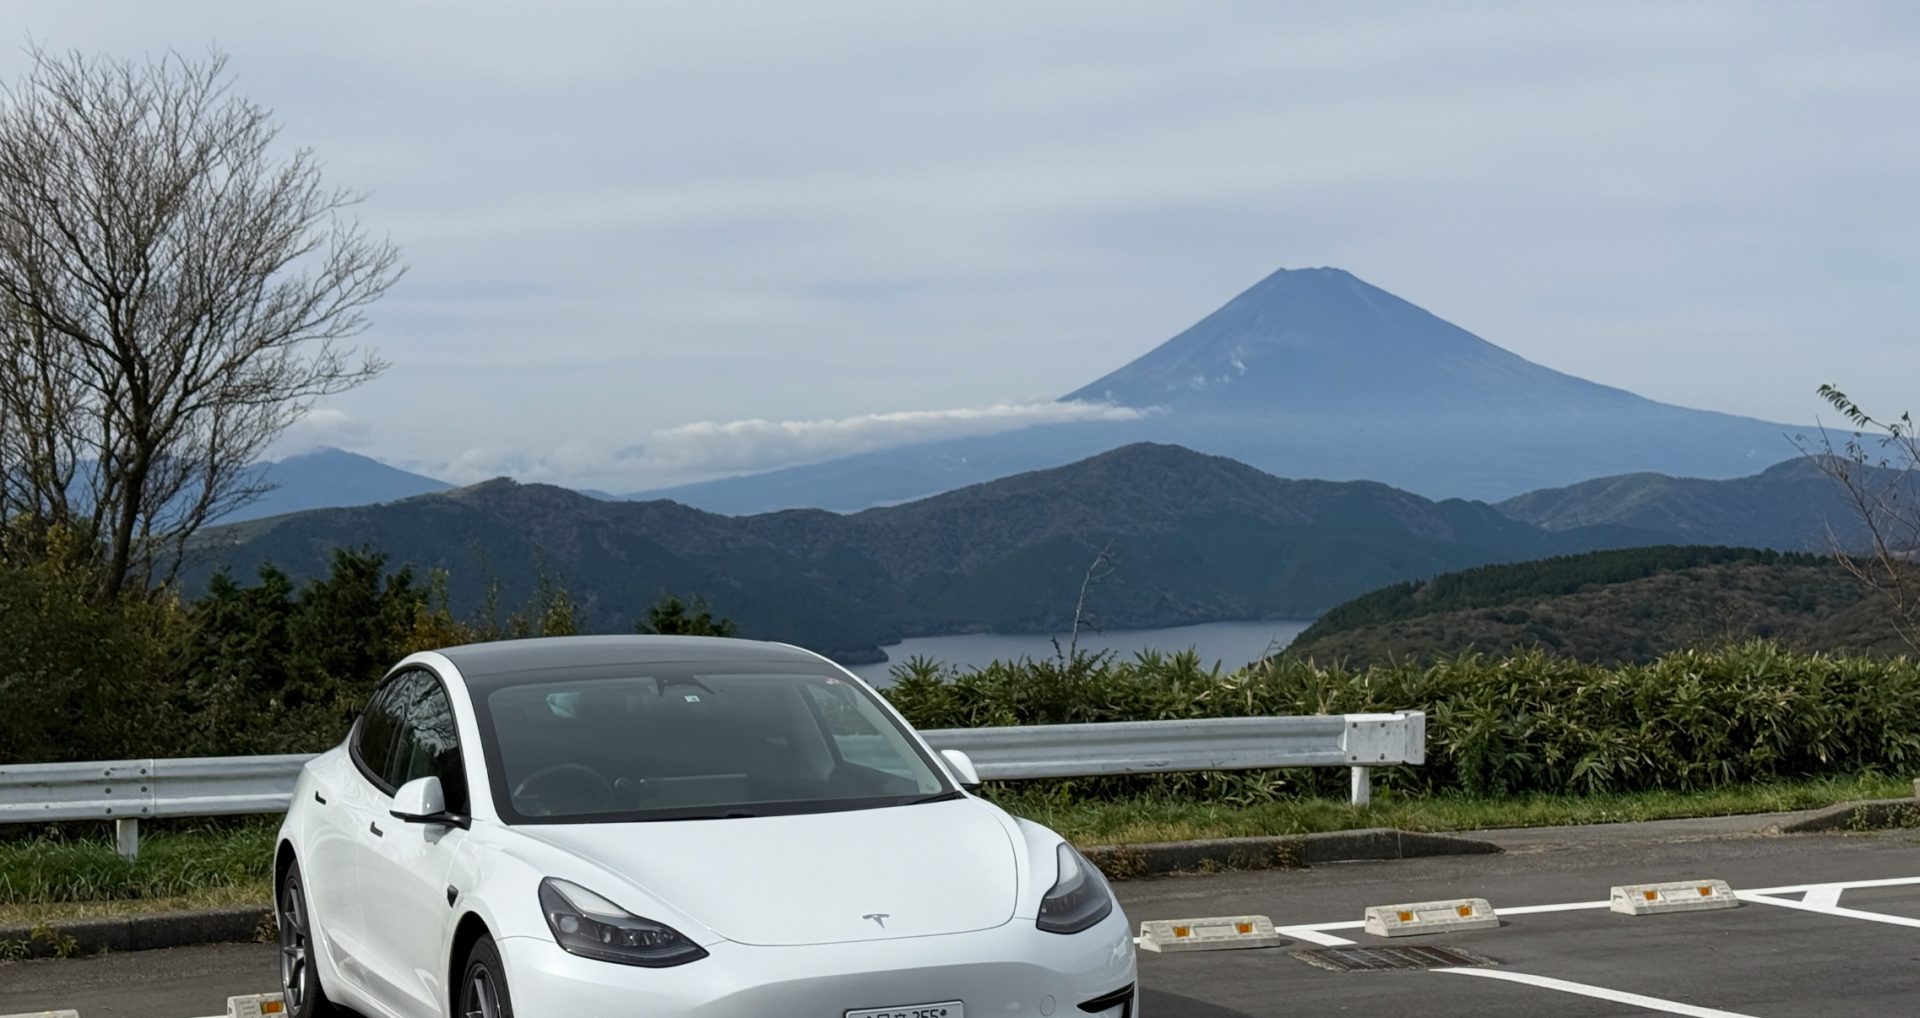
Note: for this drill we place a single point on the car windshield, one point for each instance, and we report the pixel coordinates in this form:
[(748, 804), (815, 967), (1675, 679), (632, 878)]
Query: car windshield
[(691, 742)]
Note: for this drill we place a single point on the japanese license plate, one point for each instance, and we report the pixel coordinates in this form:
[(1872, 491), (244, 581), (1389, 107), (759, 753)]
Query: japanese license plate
[(949, 1009)]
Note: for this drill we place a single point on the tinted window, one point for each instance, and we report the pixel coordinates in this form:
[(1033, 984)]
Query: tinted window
[(429, 743), (683, 740), (379, 729)]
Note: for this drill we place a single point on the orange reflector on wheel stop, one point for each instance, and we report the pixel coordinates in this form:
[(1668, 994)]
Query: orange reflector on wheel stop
[(1450, 916), (258, 1005), (1215, 934), (1677, 896)]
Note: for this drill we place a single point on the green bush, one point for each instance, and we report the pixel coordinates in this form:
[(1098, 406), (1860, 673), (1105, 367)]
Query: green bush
[(78, 679), (265, 667), (1528, 723)]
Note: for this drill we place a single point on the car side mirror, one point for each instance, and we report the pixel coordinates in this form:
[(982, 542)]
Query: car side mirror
[(423, 801), (961, 766)]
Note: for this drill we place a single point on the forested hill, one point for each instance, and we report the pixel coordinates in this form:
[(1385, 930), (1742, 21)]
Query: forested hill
[(1790, 506), (1611, 606), (1192, 538)]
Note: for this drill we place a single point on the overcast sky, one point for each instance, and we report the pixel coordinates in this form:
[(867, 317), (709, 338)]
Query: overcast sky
[(633, 226)]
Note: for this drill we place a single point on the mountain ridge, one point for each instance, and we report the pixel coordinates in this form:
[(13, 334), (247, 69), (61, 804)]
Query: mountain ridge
[(1610, 607), (328, 477), (1197, 538), (1790, 506)]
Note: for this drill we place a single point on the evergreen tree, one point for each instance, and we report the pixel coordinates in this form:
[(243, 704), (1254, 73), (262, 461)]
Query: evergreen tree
[(671, 616)]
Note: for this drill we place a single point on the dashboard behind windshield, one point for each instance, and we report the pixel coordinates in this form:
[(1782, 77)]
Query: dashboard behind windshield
[(686, 741)]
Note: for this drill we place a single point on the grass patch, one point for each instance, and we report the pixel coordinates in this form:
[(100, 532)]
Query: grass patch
[(1144, 820), (54, 876), (79, 875)]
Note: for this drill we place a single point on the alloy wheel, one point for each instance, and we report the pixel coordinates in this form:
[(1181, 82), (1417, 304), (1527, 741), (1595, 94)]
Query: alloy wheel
[(296, 968), (482, 998)]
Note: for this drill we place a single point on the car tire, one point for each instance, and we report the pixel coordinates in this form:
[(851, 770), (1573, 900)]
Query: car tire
[(299, 974), (482, 992)]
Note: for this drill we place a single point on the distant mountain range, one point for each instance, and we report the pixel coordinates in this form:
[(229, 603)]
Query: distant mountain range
[(330, 477), (1315, 373), (1193, 537), (1309, 373), (1791, 506), (1630, 605)]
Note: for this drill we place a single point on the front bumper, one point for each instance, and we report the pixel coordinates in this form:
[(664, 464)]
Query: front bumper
[(1012, 971)]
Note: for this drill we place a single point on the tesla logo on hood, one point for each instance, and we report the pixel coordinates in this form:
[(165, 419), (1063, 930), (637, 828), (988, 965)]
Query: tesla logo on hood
[(879, 918)]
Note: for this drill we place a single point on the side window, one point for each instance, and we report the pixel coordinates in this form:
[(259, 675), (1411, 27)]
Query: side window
[(379, 729), (429, 743)]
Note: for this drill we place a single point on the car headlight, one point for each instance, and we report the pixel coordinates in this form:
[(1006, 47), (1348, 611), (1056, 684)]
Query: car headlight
[(592, 927), (1079, 899)]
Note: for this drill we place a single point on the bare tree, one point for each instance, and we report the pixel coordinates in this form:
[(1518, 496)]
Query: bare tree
[(173, 294), (1102, 569), (1878, 468)]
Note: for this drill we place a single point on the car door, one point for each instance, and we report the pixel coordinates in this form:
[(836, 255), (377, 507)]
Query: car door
[(345, 797), (405, 891)]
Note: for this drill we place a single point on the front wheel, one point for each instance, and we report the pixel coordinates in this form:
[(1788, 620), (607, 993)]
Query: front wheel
[(299, 979), (483, 986)]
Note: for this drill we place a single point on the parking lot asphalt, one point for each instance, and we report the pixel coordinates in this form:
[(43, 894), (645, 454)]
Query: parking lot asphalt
[(1760, 960), (1804, 944)]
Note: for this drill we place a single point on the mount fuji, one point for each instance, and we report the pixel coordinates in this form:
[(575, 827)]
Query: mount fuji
[(1315, 373)]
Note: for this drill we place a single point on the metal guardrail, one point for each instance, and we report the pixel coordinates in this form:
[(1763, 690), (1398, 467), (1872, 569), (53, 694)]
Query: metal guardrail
[(1195, 744), (128, 791)]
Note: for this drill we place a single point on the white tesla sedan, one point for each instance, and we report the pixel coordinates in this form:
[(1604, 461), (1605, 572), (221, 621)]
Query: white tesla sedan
[(672, 826)]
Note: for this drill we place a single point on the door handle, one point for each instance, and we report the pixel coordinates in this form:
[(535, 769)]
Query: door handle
[(375, 828)]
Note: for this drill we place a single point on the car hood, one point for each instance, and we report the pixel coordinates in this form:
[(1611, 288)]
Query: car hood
[(821, 878)]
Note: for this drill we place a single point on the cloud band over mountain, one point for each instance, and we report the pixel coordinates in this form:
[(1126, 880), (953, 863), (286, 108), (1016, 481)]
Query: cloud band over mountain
[(725, 446)]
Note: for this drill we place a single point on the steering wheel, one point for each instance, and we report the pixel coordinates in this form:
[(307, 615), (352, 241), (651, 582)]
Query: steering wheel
[(600, 791)]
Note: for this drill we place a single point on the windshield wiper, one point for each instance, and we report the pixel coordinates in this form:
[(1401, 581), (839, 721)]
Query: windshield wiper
[(736, 814)]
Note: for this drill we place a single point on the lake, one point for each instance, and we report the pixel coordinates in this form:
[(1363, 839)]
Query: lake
[(1231, 643)]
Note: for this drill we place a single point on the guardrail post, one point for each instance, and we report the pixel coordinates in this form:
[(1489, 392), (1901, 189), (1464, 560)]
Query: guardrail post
[(1362, 787), (126, 837)]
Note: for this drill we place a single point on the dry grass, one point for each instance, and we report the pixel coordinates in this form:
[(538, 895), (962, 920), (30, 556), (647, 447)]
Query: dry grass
[(253, 894)]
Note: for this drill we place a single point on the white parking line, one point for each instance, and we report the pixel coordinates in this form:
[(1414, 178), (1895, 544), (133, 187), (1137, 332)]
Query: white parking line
[(1832, 910), (1312, 935), (1571, 906), (1845, 885), (1825, 897), (1599, 993)]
